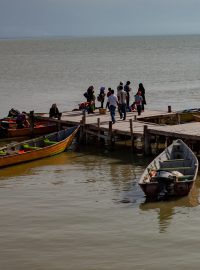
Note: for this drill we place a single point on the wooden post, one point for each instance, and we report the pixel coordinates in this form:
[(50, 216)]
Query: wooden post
[(178, 118), (135, 117), (98, 125), (131, 130), (110, 133), (169, 109), (81, 132), (84, 118), (32, 122), (83, 129), (146, 140), (157, 144)]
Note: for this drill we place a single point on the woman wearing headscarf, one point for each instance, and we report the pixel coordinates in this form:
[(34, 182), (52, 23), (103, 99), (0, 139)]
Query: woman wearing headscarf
[(142, 90)]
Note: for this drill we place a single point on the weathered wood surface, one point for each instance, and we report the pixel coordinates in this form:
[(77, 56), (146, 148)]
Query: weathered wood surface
[(101, 121), (187, 131)]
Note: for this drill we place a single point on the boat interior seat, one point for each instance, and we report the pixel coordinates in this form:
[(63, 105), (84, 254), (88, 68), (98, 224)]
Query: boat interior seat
[(47, 142), (174, 159), (185, 177), (175, 163), (28, 147), (184, 170), (2, 153)]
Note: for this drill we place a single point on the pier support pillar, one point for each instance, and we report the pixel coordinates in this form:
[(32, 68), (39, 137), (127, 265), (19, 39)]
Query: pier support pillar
[(110, 135), (146, 141), (32, 122), (178, 117), (169, 109), (131, 130), (83, 134), (98, 125)]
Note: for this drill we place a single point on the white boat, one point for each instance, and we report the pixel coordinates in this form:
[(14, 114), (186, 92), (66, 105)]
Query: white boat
[(171, 173)]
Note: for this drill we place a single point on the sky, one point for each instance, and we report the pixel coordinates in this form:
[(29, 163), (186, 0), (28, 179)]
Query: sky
[(41, 18)]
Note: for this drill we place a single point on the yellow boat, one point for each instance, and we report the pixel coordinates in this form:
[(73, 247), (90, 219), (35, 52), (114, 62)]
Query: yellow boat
[(37, 148), (196, 117)]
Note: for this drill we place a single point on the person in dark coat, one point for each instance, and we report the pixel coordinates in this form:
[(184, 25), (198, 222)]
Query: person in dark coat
[(142, 90), (54, 112), (128, 90), (101, 96), (90, 96), (22, 121)]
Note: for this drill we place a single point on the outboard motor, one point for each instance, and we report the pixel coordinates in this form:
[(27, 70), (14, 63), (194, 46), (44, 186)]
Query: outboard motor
[(166, 181)]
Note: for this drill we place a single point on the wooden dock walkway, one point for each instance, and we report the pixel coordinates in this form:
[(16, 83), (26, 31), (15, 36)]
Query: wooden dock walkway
[(150, 124)]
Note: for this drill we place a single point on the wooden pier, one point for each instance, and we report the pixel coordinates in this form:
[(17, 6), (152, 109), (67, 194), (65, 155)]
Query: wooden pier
[(147, 131)]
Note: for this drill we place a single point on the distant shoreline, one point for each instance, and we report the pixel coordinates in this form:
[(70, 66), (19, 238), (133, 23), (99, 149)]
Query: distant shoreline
[(93, 36)]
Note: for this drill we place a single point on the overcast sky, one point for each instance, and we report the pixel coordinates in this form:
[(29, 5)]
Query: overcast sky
[(98, 17)]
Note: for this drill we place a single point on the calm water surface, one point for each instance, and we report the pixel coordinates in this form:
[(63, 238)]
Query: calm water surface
[(84, 210), (36, 73)]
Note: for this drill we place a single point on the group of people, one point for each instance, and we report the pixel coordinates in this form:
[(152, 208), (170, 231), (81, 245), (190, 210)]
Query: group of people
[(25, 120), (121, 100)]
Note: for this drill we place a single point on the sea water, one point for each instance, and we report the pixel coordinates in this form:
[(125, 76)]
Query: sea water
[(38, 72), (83, 209)]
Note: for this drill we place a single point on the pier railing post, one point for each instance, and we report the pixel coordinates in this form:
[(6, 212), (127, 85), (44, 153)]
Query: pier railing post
[(146, 140)]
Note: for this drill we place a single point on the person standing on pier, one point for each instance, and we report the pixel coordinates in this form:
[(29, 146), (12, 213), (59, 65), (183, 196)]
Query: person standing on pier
[(128, 90), (90, 99), (138, 102), (122, 95), (142, 90), (101, 96), (108, 94), (113, 103), (119, 86)]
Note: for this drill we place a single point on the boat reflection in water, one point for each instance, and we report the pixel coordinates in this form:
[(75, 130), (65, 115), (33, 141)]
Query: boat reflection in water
[(166, 210)]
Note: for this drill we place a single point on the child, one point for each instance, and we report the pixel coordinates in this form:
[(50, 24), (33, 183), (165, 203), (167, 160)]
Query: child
[(138, 102)]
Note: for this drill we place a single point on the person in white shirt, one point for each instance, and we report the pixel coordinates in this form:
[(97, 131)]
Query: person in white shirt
[(113, 103), (122, 96)]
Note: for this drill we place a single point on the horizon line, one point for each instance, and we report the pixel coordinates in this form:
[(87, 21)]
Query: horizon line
[(91, 36)]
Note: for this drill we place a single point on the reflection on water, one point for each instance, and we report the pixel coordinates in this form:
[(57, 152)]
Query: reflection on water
[(167, 209), (28, 167)]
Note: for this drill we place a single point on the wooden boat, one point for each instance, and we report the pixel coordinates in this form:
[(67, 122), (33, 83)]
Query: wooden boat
[(196, 117), (188, 115), (172, 173), (8, 129), (37, 148)]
